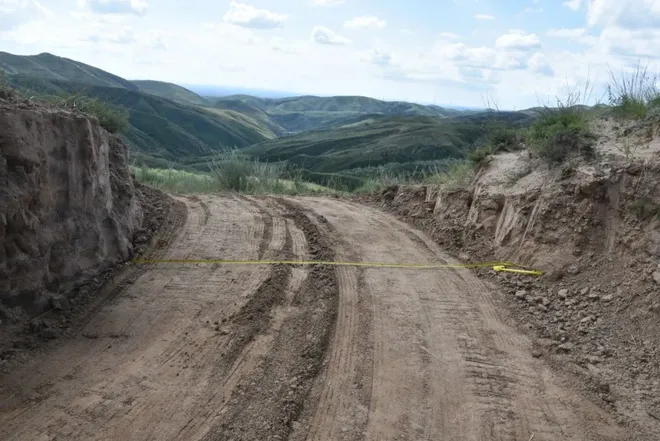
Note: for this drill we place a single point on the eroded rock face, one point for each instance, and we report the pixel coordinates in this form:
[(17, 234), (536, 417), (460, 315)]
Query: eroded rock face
[(68, 208)]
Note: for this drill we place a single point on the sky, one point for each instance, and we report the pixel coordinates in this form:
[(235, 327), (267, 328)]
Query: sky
[(513, 54)]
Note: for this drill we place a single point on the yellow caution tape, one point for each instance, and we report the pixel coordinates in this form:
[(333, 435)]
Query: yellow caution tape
[(496, 266)]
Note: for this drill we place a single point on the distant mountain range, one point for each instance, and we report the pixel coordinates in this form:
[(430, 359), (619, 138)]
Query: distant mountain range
[(173, 125)]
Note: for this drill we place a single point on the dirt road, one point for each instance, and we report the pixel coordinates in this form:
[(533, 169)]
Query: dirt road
[(211, 352)]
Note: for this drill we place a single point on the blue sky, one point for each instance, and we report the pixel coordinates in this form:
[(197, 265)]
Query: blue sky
[(516, 53)]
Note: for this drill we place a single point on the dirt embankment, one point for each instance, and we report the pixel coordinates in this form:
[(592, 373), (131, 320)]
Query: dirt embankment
[(594, 230), (68, 206)]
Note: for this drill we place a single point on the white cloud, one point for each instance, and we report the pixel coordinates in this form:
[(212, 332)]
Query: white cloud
[(477, 57), (15, 12), (484, 17), (448, 36), (327, 2), (248, 16), (379, 57), (115, 6), (631, 14), (574, 34), (517, 40), (323, 35), (573, 5), (366, 22), (539, 63), (630, 43)]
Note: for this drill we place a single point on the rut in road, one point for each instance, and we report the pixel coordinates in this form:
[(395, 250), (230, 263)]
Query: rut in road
[(212, 352)]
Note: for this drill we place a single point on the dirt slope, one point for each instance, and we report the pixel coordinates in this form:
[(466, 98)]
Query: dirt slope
[(68, 207), (210, 352)]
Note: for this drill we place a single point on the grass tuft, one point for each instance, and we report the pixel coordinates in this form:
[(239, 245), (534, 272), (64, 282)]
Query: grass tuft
[(114, 119), (230, 172), (633, 95), (459, 174)]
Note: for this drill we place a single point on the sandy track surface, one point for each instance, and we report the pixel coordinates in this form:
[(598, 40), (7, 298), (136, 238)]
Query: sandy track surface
[(212, 352)]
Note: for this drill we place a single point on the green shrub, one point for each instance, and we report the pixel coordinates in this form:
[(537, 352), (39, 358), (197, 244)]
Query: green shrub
[(112, 118), (6, 90), (498, 138), (175, 181), (479, 155), (561, 132)]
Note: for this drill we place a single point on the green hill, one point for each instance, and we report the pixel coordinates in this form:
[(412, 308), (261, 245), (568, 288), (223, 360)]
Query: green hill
[(162, 132), (297, 114), (51, 67), (372, 143), (170, 91), (257, 114), (357, 104)]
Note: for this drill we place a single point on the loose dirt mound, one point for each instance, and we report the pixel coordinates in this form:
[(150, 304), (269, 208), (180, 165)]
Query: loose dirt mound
[(593, 228)]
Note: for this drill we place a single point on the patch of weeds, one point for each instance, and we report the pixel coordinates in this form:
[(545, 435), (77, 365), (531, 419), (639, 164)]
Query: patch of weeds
[(633, 95), (498, 139), (459, 174), (6, 90), (114, 119), (628, 148)]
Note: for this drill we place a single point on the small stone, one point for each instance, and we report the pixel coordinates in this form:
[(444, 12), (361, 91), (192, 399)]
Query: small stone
[(656, 277), (562, 293), (584, 291), (608, 298), (520, 295), (566, 347)]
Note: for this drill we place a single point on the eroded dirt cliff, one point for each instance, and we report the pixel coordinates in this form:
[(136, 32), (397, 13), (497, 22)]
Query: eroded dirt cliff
[(68, 207)]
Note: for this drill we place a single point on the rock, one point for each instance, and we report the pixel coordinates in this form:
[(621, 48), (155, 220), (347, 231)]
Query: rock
[(566, 347), (584, 291), (656, 277), (608, 298), (562, 293), (588, 319), (573, 270), (520, 295)]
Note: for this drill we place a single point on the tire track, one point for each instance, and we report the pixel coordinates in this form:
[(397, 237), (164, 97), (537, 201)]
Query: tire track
[(345, 394), (268, 402)]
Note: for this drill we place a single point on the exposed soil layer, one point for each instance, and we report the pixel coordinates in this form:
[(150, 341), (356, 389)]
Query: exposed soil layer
[(68, 208), (21, 335), (273, 352)]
